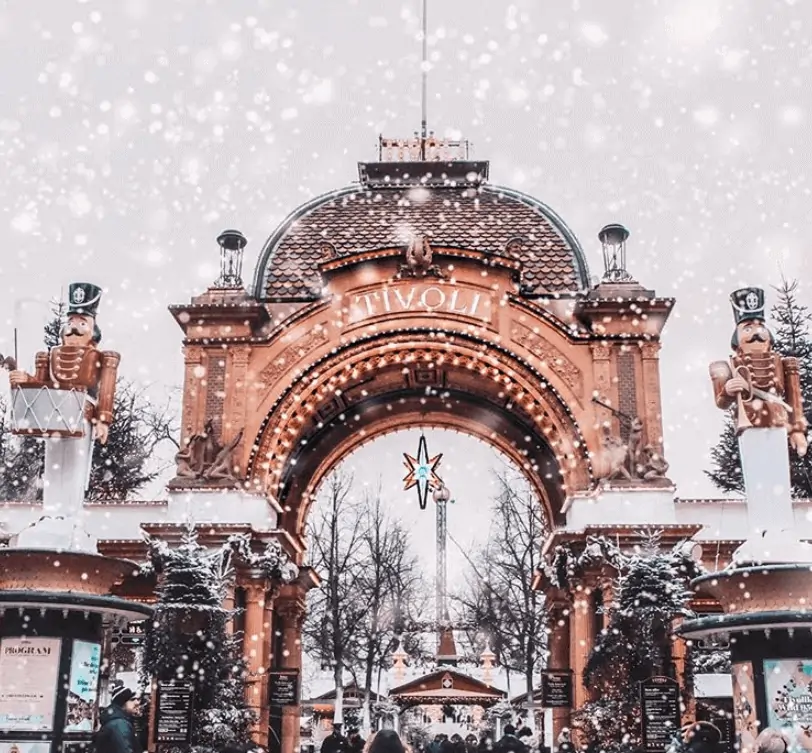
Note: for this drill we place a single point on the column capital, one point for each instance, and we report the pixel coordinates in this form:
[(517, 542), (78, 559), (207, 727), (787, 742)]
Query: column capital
[(192, 353), (601, 351), (650, 349), (292, 611)]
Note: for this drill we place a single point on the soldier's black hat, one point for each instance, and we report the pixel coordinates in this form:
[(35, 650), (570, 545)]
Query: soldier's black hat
[(748, 304), (83, 298)]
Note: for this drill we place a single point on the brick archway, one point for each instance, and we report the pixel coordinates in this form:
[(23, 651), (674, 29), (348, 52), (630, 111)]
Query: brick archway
[(345, 337), (389, 382)]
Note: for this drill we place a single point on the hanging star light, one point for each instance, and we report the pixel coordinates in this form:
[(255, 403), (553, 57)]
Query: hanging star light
[(422, 472)]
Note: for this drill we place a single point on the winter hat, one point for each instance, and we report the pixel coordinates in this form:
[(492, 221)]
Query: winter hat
[(121, 696), (510, 729), (386, 741)]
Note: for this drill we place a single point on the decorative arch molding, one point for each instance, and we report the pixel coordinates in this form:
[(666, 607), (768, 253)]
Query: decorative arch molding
[(496, 374), (515, 439)]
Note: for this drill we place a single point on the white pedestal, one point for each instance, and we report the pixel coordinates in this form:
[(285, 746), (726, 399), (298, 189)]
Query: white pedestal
[(67, 469), (765, 465)]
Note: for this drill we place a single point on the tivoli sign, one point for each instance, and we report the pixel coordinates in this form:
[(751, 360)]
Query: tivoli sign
[(420, 297)]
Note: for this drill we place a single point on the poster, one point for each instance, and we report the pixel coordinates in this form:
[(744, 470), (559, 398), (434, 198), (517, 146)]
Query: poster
[(29, 668), (788, 685), (660, 704), (83, 687), (744, 707), (556, 689), (173, 713), (25, 746), (283, 687)]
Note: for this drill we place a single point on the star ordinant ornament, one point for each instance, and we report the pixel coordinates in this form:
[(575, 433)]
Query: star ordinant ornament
[(422, 472)]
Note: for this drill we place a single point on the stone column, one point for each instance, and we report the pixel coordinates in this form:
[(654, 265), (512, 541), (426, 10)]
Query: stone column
[(608, 588), (194, 392), (236, 391), (254, 652), (652, 400), (292, 611), (582, 638), (558, 643), (679, 654)]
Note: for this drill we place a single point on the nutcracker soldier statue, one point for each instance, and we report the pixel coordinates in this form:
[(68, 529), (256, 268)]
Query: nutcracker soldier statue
[(764, 390), (68, 402)]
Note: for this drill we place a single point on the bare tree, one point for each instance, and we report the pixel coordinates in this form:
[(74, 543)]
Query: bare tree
[(335, 611), (497, 595), (390, 585)]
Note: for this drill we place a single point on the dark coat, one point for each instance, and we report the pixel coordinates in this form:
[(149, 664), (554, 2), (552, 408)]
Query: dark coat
[(511, 744), (334, 743), (117, 732)]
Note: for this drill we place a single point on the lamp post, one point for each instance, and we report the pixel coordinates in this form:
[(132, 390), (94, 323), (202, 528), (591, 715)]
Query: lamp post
[(232, 243), (613, 245)]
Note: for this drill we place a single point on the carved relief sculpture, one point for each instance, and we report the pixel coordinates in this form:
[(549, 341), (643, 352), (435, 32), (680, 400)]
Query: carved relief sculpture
[(419, 255), (205, 460), (763, 386), (630, 460)]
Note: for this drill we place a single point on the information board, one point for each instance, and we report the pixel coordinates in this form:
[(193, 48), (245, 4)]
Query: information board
[(283, 687), (173, 712), (660, 702), (29, 669), (556, 689)]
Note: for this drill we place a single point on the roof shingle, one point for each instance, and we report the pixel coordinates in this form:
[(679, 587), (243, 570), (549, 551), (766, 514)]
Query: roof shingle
[(360, 219)]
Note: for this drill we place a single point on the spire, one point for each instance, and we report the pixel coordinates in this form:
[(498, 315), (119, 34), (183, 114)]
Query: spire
[(447, 648), (424, 69)]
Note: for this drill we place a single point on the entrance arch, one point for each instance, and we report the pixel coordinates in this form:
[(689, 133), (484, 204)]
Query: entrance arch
[(423, 295), (390, 382)]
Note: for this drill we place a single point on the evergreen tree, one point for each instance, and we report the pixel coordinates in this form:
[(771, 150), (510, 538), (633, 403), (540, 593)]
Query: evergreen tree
[(652, 591), (189, 639), (791, 324)]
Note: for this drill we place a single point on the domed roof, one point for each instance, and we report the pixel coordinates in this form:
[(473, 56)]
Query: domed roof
[(366, 218)]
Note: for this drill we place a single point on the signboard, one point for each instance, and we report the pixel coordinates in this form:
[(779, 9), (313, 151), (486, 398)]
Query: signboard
[(173, 712), (29, 669), (556, 689), (660, 702), (788, 686), (283, 687), (25, 746), (744, 707), (83, 687)]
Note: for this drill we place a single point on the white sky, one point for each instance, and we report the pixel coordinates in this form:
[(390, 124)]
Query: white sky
[(132, 133)]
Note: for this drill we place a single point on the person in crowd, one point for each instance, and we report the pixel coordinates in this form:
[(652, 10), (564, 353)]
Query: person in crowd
[(335, 742), (471, 743), (436, 744), (525, 734), (771, 741), (702, 737), (457, 744), (355, 743), (117, 731), (486, 742), (510, 743), (565, 744), (386, 741)]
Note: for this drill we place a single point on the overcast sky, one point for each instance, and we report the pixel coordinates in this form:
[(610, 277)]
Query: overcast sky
[(132, 133)]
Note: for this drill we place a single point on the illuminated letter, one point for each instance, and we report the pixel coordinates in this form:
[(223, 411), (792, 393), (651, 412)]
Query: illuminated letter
[(368, 300), (424, 299), (452, 304), (407, 304)]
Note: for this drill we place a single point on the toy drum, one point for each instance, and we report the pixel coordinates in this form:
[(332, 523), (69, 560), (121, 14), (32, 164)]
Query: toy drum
[(47, 412)]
